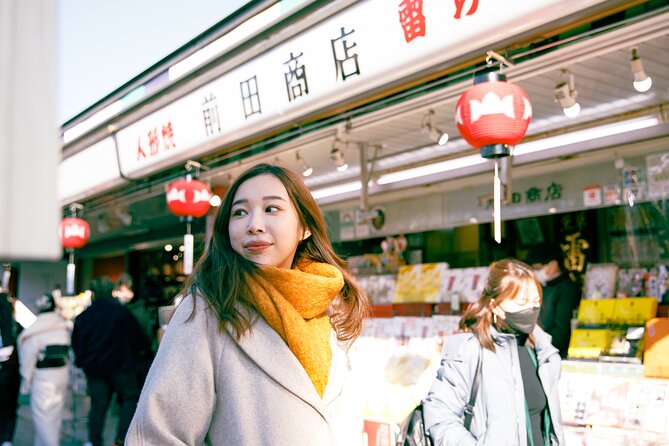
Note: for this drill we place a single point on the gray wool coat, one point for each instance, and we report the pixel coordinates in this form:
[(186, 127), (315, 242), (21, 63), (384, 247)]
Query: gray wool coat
[(205, 387), (499, 412)]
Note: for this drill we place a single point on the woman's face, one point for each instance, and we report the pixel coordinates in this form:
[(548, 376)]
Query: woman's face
[(527, 297), (264, 227)]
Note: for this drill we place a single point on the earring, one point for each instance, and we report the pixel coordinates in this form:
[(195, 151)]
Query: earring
[(494, 318)]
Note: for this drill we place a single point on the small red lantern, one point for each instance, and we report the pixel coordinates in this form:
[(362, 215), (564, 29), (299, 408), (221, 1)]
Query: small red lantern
[(493, 114), (74, 232), (188, 198)]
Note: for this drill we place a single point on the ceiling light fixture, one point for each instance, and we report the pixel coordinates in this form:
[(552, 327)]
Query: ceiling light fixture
[(306, 169), (337, 155), (565, 94), (568, 139), (522, 149), (431, 130), (642, 82)]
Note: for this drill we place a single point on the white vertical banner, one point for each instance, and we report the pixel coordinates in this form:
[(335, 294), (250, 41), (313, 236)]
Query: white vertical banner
[(29, 148), (69, 278), (188, 253)]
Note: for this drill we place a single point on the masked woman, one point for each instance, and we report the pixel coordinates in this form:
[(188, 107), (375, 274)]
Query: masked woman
[(517, 401), (256, 354)]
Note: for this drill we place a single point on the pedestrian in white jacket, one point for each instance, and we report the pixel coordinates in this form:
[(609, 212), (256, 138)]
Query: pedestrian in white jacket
[(43, 349), (517, 402)]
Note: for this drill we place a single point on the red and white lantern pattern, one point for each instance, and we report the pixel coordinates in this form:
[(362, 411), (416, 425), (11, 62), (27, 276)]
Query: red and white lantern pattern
[(493, 113), (188, 198), (74, 233)]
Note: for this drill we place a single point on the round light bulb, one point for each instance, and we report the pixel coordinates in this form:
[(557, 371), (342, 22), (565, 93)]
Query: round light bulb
[(573, 111), (215, 201), (644, 85)]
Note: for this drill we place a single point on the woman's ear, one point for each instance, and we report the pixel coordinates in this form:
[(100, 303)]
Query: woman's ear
[(306, 234)]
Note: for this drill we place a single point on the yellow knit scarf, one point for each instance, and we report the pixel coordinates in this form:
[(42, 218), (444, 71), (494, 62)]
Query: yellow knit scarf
[(293, 302)]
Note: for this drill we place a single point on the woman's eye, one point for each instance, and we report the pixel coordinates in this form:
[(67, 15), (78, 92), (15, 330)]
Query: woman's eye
[(271, 209), (238, 212)]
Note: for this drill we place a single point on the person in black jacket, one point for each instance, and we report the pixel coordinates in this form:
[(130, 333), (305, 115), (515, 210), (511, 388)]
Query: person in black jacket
[(561, 296), (107, 340), (10, 379)]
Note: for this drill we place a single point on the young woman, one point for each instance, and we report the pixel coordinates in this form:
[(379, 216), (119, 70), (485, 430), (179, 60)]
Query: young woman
[(518, 401), (256, 354)]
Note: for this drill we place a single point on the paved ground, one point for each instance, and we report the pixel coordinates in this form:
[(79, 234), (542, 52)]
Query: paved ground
[(75, 427)]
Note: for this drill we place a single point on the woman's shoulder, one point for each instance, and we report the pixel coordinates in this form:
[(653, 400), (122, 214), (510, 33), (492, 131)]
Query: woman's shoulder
[(460, 345), (192, 309)]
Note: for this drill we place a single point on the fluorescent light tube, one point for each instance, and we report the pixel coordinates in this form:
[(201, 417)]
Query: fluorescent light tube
[(336, 190), (584, 135), (429, 169)]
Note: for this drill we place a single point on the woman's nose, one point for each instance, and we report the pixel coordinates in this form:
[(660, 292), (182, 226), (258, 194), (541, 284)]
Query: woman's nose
[(256, 224)]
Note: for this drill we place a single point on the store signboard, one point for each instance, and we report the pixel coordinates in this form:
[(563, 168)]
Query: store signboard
[(98, 165), (342, 57), (657, 171)]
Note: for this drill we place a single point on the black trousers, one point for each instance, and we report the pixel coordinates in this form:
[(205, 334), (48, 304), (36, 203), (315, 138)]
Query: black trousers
[(100, 390), (10, 381)]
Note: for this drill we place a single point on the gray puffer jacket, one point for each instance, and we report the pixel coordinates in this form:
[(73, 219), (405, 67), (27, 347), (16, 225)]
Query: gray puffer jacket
[(499, 413)]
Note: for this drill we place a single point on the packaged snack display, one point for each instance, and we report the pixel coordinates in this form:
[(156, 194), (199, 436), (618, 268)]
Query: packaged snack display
[(595, 312), (634, 310), (420, 283), (600, 280), (586, 343)]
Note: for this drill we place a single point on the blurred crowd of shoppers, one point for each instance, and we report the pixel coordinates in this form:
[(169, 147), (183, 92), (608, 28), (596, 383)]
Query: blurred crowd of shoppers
[(106, 340)]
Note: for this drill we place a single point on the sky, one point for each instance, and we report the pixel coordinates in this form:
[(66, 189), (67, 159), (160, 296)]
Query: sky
[(104, 43)]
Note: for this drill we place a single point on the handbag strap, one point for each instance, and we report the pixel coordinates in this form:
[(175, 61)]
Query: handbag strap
[(469, 408)]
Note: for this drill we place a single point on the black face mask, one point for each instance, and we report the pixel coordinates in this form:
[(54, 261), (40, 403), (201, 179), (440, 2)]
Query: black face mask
[(523, 321)]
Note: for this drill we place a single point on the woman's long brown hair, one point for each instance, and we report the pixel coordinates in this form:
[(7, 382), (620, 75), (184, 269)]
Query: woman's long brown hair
[(221, 274), (506, 278)]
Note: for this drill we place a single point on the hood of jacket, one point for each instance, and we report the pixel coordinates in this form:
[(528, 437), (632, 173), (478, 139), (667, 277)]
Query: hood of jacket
[(45, 322)]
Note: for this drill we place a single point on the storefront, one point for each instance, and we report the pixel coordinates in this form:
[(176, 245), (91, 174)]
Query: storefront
[(320, 87)]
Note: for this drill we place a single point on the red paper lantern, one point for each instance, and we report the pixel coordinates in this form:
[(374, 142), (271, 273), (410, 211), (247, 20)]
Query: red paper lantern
[(188, 197), (74, 233), (493, 114)]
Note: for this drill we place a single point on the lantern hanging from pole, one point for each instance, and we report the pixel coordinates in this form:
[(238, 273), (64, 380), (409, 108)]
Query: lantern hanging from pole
[(188, 198), (492, 116), (74, 234)]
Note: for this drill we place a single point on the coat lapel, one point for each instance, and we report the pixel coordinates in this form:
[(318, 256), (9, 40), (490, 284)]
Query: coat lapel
[(271, 354)]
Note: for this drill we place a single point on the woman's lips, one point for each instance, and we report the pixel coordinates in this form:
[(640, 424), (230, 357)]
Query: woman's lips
[(257, 247)]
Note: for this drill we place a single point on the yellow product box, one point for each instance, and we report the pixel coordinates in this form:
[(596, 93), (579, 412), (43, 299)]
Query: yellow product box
[(595, 312), (587, 343), (634, 310), (419, 283), (656, 356)]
